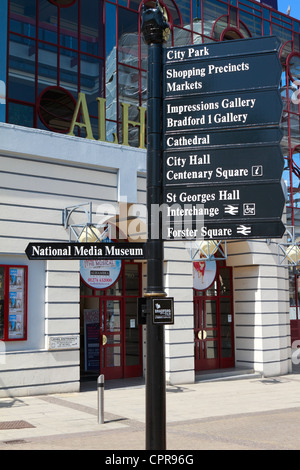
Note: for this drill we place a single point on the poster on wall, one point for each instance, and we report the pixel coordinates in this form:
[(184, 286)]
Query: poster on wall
[(204, 273), (100, 274), (91, 340), (16, 303)]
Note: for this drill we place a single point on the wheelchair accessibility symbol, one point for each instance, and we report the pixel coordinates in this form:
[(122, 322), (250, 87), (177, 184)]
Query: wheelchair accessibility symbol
[(249, 208)]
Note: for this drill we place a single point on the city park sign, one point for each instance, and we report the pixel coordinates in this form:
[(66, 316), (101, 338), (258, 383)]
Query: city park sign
[(221, 162)]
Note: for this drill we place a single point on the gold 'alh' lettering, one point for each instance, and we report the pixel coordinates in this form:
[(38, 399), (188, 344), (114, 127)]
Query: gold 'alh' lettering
[(126, 123), (81, 106), (102, 123)]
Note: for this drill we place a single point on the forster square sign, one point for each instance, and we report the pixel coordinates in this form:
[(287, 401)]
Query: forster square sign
[(222, 161)]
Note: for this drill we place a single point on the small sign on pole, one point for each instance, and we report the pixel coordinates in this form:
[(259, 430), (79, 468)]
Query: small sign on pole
[(163, 310)]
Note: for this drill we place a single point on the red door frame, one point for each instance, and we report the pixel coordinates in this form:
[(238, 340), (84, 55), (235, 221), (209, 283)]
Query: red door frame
[(295, 323), (206, 337), (5, 301), (123, 371), (214, 334)]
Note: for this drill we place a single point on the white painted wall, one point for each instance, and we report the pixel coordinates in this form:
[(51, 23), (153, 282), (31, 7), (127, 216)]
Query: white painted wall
[(41, 173)]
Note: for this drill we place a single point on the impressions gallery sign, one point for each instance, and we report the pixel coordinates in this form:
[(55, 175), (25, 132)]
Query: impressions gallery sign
[(222, 161)]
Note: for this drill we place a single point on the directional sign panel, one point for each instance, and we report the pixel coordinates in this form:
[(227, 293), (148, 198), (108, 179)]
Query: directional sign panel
[(222, 74), (249, 201), (222, 165), (222, 138), (226, 110), (43, 251), (227, 231), (222, 49)]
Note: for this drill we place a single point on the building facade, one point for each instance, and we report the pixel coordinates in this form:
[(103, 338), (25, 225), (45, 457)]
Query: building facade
[(73, 89)]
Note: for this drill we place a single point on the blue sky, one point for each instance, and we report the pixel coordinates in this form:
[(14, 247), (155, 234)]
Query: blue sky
[(295, 7)]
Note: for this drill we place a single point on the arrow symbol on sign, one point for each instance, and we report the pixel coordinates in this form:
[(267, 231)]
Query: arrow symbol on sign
[(243, 230), (232, 210)]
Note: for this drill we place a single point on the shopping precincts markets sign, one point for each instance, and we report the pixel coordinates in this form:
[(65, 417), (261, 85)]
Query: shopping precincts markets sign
[(222, 161)]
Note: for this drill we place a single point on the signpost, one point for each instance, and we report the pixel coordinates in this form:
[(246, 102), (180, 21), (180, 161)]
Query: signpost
[(221, 160), (155, 31), (213, 162)]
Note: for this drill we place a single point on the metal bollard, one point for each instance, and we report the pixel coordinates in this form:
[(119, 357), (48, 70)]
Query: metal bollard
[(100, 390)]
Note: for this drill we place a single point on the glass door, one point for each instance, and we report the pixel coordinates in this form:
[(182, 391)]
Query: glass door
[(206, 334), (213, 317), (2, 278), (111, 341), (226, 333)]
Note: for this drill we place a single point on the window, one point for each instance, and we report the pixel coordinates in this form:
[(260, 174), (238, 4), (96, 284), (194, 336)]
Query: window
[(213, 318), (111, 314), (13, 303), (56, 108), (55, 50)]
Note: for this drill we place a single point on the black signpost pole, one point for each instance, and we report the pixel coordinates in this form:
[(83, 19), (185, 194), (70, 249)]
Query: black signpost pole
[(154, 30)]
